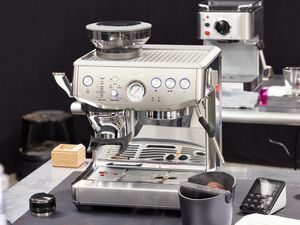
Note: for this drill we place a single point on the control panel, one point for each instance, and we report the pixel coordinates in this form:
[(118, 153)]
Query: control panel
[(137, 88), (226, 26)]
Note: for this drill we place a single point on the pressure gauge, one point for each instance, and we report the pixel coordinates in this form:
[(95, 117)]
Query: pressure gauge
[(135, 91)]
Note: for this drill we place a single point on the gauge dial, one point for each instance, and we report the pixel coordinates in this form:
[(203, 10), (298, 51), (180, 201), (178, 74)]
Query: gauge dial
[(135, 91)]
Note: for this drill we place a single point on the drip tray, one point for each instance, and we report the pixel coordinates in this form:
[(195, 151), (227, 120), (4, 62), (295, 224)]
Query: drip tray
[(156, 176), (128, 187), (106, 174)]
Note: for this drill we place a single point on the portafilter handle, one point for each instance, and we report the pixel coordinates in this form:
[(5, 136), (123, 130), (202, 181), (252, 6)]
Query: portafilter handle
[(62, 80)]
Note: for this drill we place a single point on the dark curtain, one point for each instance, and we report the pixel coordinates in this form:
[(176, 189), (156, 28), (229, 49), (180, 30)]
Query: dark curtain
[(39, 37)]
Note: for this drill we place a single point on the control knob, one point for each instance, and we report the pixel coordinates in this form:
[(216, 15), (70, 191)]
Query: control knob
[(222, 27), (114, 93)]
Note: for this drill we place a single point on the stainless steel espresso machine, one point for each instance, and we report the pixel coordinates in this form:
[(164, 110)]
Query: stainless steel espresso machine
[(237, 28), (155, 112)]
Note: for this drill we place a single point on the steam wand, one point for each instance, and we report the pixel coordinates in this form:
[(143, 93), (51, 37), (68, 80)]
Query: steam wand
[(211, 131)]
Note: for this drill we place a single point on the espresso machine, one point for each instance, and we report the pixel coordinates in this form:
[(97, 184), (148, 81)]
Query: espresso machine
[(237, 28), (155, 111)]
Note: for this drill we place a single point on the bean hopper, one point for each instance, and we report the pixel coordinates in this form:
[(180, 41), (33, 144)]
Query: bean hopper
[(144, 103), (237, 28)]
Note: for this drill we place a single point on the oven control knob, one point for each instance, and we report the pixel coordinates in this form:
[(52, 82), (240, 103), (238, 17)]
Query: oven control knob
[(222, 27)]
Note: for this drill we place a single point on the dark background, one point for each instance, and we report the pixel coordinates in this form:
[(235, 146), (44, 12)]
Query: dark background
[(38, 37)]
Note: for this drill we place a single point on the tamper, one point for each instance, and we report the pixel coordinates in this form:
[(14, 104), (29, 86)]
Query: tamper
[(42, 204)]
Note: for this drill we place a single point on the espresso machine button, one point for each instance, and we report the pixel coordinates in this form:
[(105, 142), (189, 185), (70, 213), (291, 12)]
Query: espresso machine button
[(115, 79), (207, 24), (185, 83), (156, 82), (114, 93), (87, 81), (222, 27), (170, 83)]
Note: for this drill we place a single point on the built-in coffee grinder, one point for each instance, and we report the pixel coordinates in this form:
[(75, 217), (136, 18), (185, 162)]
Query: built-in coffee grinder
[(155, 111), (237, 28)]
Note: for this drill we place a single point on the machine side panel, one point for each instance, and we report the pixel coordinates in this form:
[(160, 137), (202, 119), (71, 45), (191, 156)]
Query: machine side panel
[(238, 58)]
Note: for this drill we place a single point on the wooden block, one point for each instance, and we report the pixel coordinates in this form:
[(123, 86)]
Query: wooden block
[(68, 155)]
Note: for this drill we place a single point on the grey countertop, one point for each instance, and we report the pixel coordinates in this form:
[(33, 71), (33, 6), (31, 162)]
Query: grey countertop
[(279, 110), (45, 178), (259, 116)]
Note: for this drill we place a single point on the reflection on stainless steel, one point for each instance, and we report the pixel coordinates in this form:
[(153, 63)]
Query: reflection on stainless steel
[(120, 98)]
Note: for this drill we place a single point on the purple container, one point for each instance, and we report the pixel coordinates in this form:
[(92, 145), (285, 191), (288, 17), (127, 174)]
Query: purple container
[(263, 97)]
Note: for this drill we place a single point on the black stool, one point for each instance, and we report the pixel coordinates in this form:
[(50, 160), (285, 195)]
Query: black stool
[(41, 132)]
